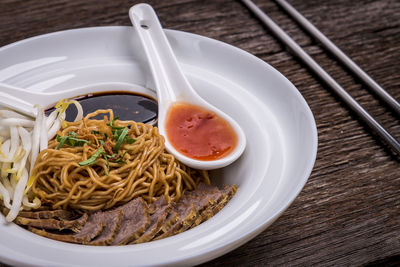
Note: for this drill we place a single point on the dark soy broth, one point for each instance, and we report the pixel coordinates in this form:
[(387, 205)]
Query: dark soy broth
[(126, 105)]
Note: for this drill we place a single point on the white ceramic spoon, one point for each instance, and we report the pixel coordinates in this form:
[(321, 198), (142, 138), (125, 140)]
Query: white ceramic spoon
[(172, 85), (10, 101), (23, 100)]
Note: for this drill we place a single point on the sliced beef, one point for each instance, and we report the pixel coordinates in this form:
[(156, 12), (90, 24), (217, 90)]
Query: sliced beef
[(213, 198), (53, 224), (92, 228), (159, 211), (47, 214), (201, 202), (227, 194), (89, 231), (99, 229), (186, 216), (171, 219), (112, 222), (202, 189), (228, 191), (43, 214), (135, 220), (197, 206), (209, 191)]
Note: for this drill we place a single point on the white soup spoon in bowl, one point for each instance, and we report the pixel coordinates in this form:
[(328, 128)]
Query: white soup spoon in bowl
[(173, 88)]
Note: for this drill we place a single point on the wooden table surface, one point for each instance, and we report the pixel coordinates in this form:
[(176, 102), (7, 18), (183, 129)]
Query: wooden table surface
[(349, 211)]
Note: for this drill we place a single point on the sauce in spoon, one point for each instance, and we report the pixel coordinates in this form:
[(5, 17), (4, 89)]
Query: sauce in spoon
[(199, 133)]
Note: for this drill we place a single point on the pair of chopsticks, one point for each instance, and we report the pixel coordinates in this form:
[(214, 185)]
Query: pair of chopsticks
[(323, 75)]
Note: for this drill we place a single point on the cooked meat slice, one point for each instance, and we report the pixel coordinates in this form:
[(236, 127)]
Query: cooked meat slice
[(213, 199), (202, 198), (209, 191), (159, 203), (227, 192), (89, 231), (112, 222), (160, 210), (200, 202), (190, 207), (42, 214), (53, 224), (134, 221), (47, 214), (186, 216), (171, 219), (202, 189)]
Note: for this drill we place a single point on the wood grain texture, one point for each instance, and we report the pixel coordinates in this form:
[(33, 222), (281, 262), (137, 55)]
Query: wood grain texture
[(349, 211)]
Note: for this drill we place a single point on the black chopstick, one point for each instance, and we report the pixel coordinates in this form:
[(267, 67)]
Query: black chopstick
[(324, 76), (342, 57)]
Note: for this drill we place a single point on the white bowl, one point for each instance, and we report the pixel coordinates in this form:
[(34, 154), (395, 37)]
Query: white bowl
[(279, 127)]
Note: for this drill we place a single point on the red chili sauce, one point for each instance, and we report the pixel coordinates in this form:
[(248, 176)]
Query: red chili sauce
[(199, 133)]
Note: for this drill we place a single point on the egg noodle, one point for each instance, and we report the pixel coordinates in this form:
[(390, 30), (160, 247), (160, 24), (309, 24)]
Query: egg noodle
[(96, 164)]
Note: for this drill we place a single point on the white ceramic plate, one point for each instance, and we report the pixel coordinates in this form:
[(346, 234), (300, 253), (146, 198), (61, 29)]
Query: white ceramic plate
[(279, 126)]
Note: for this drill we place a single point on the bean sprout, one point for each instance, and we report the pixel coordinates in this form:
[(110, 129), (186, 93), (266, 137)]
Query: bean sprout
[(21, 140)]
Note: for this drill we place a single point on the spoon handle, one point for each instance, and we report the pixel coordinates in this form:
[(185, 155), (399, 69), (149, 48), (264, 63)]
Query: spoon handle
[(17, 104), (171, 85)]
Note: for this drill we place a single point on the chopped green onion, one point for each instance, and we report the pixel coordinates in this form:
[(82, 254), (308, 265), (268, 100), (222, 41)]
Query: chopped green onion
[(114, 128), (108, 163), (92, 159), (129, 140), (61, 140), (121, 138), (70, 140), (123, 155), (76, 141), (120, 134), (112, 121), (120, 160), (117, 127)]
